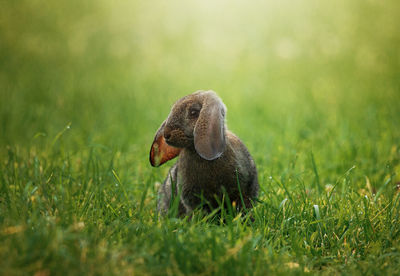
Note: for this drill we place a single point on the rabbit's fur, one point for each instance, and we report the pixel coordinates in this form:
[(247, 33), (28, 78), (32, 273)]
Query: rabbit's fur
[(212, 160)]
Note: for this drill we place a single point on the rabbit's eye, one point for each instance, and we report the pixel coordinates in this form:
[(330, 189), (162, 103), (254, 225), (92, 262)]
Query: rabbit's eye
[(194, 113)]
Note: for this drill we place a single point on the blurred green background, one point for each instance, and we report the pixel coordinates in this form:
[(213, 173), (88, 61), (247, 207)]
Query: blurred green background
[(293, 74), (312, 88)]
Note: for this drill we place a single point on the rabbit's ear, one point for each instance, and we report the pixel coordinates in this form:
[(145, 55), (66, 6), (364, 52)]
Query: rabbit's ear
[(160, 151), (209, 131)]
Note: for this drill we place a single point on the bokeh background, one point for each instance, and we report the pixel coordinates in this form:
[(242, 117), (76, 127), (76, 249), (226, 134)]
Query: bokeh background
[(312, 88), (293, 74)]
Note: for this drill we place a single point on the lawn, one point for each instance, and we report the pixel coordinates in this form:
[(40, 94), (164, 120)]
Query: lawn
[(312, 89)]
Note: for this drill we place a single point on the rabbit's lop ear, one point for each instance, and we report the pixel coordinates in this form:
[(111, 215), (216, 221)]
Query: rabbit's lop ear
[(209, 131), (160, 151)]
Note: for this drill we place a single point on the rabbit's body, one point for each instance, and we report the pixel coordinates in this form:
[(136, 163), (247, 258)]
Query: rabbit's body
[(202, 181)]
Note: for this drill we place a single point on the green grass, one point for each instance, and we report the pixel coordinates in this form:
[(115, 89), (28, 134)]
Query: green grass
[(312, 89)]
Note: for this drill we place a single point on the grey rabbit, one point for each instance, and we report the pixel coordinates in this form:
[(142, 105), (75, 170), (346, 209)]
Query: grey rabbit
[(212, 160)]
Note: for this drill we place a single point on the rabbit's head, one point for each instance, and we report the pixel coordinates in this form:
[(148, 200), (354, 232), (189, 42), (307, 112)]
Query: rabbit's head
[(196, 121)]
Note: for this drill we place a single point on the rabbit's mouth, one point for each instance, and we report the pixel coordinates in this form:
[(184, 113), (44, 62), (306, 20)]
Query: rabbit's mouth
[(181, 141)]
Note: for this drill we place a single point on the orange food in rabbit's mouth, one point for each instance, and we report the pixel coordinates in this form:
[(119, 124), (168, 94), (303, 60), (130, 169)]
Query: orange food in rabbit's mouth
[(162, 152)]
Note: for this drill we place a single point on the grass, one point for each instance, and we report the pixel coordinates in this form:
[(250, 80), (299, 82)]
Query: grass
[(311, 88)]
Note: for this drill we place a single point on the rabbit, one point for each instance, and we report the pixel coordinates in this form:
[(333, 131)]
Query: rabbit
[(213, 162)]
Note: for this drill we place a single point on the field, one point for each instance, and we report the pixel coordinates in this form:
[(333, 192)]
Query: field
[(312, 89)]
